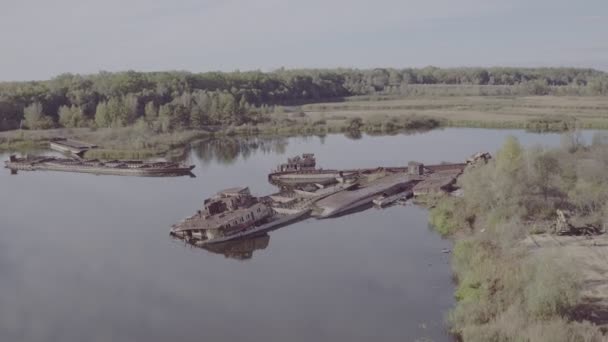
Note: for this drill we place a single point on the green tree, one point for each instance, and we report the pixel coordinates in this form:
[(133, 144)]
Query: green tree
[(510, 157), (164, 118), (118, 112), (35, 118), (71, 116), (102, 115), (131, 109), (151, 111), (544, 166)]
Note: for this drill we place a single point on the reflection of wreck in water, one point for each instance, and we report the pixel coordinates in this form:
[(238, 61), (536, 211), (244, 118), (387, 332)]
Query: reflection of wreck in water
[(241, 249), (227, 150)]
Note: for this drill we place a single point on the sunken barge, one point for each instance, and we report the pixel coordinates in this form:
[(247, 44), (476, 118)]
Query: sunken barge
[(99, 167)]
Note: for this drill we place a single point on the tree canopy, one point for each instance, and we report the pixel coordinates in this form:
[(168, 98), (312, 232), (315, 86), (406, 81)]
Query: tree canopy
[(182, 99)]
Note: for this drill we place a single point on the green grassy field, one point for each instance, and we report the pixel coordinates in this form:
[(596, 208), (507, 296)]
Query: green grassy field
[(470, 111)]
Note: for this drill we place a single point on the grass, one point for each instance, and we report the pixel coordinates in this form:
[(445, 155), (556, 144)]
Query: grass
[(472, 111)]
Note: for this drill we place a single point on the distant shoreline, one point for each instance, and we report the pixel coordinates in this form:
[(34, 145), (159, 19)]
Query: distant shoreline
[(384, 116)]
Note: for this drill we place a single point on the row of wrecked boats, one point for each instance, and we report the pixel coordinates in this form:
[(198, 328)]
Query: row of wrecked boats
[(305, 191)]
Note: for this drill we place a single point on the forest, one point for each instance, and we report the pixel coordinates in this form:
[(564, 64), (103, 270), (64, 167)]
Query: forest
[(170, 101)]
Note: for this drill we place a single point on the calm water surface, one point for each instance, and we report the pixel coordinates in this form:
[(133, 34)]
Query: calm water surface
[(89, 258)]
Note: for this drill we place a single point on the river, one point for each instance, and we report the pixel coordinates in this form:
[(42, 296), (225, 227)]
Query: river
[(89, 258)]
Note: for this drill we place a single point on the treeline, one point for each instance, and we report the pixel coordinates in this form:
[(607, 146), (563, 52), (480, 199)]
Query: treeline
[(173, 100)]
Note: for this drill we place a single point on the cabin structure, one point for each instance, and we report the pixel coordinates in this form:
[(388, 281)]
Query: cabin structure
[(306, 162), (415, 168), (225, 213)]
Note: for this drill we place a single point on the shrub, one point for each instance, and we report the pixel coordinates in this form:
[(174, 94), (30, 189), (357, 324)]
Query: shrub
[(552, 286), (444, 217)]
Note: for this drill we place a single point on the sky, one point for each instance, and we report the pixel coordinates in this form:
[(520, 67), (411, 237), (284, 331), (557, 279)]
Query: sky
[(40, 39)]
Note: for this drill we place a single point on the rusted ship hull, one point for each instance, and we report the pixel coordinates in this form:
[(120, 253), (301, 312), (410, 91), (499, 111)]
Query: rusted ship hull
[(100, 170), (278, 222)]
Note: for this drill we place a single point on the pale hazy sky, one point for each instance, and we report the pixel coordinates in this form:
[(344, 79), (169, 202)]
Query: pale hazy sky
[(43, 38)]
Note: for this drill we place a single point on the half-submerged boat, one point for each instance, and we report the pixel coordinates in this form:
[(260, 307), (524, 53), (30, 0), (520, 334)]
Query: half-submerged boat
[(99, 167), (303, 170), (232, 214)]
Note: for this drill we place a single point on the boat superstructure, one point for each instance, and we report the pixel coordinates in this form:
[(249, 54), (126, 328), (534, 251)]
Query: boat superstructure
[(231, 214), (303, 169)]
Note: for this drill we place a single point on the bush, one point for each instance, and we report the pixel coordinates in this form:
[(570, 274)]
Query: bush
[(443, 216), (552, 287), (551, 124)]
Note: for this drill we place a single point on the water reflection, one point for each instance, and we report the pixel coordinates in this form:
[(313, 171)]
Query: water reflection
[(241, 249), (353, 134), (227, 150)]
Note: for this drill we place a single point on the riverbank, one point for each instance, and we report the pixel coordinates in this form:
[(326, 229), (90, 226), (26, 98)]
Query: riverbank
[(517, 278), (141, 141), (354, 116)]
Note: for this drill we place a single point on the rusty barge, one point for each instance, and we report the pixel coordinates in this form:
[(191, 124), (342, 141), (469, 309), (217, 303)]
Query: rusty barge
[(98, 167)]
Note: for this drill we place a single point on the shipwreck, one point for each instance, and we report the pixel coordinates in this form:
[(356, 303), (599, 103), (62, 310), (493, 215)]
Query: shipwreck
[(232, 214), (98, 167)]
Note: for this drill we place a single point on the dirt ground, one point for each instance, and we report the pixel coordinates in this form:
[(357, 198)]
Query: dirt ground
[(590, 254)]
